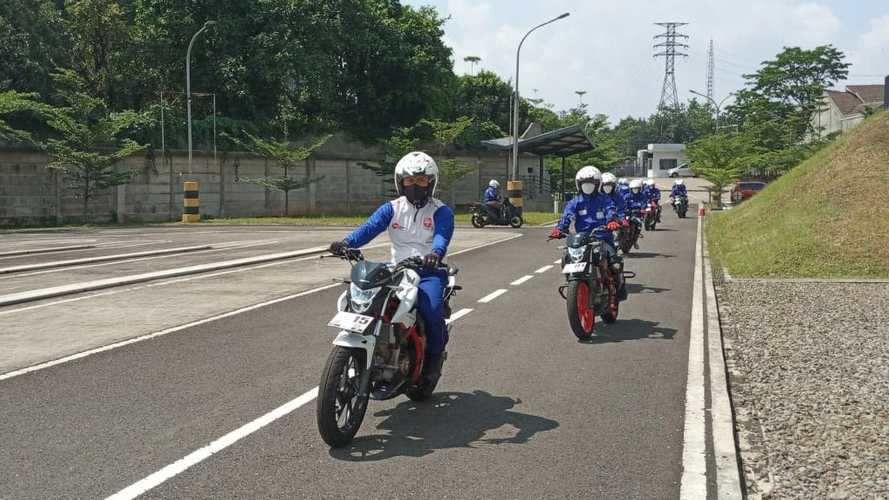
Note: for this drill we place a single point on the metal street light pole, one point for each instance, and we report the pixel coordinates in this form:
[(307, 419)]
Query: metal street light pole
[(188, 84), (516, 98), (718, 106)]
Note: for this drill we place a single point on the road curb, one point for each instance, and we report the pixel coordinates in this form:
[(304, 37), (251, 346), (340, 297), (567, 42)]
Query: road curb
[(35, 251), (103, 258), (48, 293), (728, 466)]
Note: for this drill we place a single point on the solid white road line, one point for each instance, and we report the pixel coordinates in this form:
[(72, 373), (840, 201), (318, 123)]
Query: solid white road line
[(88, 260), (493, 295), (459, 314), (728, 479), (522, 280), (161, 333), (693, 485), (198, 456), (88, 286), (31, 251), (134, 340), (156, 257), (543, 269)]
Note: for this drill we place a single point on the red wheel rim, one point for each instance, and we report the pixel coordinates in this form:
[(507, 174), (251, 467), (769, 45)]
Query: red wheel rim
[(587, 316)]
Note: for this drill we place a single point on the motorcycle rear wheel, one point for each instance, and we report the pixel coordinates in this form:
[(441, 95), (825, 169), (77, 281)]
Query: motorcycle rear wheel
[(580, 315), (516, 221), (340, 408), (477, 221)]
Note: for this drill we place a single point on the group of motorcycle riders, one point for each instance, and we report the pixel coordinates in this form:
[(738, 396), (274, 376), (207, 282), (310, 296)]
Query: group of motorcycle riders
[(420, 225)]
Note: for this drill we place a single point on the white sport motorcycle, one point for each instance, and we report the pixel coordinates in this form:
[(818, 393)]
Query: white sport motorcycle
[(380, 349)]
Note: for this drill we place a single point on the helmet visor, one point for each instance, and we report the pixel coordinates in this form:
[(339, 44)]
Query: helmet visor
[(416, 180)]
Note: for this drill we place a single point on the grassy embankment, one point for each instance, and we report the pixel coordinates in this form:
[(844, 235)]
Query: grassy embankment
[(531, 218), (826, 218)]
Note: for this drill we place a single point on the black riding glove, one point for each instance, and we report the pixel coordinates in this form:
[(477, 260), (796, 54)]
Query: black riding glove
[(339, 248), (432, 260)]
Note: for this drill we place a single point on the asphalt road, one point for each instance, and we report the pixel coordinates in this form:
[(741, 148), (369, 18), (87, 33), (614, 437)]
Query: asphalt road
[(523, 411)]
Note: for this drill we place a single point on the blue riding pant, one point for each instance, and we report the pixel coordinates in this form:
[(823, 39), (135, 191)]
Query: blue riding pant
[(430, 304)]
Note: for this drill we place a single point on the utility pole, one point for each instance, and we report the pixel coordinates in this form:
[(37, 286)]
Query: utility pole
[(711, 69), (670, 42)]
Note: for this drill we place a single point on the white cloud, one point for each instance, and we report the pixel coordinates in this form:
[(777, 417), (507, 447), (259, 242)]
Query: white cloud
[(871, 54), (605, 48)]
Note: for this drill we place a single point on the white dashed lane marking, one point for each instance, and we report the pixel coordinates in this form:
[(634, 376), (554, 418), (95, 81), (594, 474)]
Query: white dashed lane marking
[(492, 296), (543, 269), (522, 280)]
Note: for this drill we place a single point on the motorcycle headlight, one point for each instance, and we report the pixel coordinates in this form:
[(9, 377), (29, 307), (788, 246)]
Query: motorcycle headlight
[(576, 254), (361, 299)]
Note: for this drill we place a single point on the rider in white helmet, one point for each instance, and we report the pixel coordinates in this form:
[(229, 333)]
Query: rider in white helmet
[(635, 199), (589, 210), (609, 189), (679, 189), (419, 225), (654, 195), (492, 198), (623, 186)]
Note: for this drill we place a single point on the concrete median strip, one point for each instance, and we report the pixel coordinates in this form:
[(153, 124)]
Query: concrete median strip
[(88, 286), (34, 251), (103, 258)]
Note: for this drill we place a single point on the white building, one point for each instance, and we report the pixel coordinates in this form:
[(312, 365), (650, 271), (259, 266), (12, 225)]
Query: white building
[(658, 159), (843, 110)]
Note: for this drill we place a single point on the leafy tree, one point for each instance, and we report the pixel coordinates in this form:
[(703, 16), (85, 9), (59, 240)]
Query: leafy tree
[(472, 60), (14, 104), (89, 142), (721, 159), (33, 42), (99, 32), (487, 97), (286, 156)]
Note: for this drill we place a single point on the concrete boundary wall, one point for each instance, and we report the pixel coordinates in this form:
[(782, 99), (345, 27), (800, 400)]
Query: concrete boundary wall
[(31, 194)]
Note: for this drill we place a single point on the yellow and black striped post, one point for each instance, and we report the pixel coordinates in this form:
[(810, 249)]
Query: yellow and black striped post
[(192, 212), (514, 192)]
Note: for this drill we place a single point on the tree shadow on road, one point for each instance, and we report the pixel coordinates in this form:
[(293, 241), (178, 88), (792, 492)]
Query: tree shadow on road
[(631, 329), (448, 420), (633, 288), (648, 255)]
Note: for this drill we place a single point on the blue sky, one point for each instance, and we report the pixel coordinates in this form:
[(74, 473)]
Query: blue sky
[(604, 48)]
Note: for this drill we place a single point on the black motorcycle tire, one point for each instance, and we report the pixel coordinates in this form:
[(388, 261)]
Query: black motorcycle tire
[(516, 221), (574, 311), (477, 221), (337, 365)]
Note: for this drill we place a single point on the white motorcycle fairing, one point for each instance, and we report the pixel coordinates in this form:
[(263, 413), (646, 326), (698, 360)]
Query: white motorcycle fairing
[(407, 296), (356, 341)]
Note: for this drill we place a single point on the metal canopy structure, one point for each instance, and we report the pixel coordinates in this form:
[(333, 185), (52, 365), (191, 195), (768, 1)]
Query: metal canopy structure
[(562, 142)]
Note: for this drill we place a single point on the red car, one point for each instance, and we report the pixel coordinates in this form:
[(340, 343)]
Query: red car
[(743, 190)]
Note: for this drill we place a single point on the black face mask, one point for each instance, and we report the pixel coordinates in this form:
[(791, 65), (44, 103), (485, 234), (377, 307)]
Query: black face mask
[(418, 196)]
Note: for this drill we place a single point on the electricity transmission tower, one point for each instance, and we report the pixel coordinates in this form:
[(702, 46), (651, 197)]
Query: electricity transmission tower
[(711, 69), (671, 40)]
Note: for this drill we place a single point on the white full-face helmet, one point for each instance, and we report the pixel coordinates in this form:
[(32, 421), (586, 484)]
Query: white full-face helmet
[(415, 164), (636, 185), (588, 175), (609, 183), (649, 182), (624, 181), (494, 184), (678, 182)]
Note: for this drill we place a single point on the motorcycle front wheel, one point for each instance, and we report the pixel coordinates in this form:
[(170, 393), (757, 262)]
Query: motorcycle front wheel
[(516, 221), (340, 409), (581, 316), (477, 221)]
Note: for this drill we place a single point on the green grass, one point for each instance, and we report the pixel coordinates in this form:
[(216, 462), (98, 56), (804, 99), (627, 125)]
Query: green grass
[(531, 218), (826, 218)]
